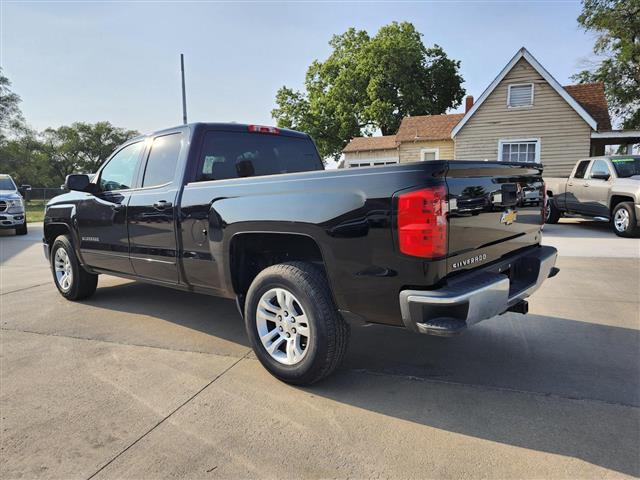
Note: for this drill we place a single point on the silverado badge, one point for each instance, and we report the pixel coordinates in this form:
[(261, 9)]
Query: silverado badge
[(509, 217)]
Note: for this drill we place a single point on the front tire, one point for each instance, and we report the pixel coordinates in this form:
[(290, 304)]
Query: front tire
[(22, 229), (624, 221), (73, 281), (293, 324)]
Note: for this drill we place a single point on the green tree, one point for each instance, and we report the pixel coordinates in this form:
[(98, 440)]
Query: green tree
[(81, 147), (370, 83), (11, 119), (617, 23)]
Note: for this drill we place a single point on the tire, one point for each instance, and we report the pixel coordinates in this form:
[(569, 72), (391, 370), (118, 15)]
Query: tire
[(553, 214), (22, 229), (81, 284), (303, 288), (624, 221)]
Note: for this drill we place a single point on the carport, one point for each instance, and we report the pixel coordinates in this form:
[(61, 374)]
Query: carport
[(626, 138)]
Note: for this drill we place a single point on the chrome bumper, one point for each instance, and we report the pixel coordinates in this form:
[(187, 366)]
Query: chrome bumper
[(478, 295)]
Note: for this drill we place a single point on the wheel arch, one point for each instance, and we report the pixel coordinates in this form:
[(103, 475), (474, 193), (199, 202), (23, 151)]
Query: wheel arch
[(617, 199), (252, 252)]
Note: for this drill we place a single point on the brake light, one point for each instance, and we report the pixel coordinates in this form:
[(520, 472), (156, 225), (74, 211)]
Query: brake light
[(422, 222), (543, 210), (263, 129)]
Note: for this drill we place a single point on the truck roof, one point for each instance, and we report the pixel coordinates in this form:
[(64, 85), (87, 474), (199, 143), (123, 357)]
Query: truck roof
[(228, 127)]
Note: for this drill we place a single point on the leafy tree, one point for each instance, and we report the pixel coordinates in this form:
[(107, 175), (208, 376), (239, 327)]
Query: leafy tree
[(370, 83), (617, 23), (82, 147), (11, 119)]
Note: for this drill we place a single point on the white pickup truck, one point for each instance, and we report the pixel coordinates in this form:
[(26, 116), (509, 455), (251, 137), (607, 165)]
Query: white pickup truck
[(604, 188)]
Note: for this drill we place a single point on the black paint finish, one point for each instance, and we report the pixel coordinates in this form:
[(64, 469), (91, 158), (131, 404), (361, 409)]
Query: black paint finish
[(349, 216)]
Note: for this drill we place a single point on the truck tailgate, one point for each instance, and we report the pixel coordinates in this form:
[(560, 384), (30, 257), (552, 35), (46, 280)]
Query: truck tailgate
[(494, 210)]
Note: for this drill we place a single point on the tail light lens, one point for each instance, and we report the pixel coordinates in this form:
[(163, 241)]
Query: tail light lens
[(422, 222), (543, 210)]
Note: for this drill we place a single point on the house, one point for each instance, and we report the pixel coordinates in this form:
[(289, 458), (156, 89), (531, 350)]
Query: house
[(524, 115), (370, 151)]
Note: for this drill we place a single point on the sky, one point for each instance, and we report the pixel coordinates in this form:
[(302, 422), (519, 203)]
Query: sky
[(119, 61)]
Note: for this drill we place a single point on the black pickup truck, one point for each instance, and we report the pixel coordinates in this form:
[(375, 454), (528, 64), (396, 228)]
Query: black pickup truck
[(249, 213)]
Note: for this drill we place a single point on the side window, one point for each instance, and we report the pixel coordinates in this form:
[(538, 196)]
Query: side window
[(162, 160), (118, 173), (599, 168), (582, 169)]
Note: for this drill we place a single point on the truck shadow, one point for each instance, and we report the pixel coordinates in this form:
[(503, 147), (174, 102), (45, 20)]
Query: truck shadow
[(544, 383), (517, 377)]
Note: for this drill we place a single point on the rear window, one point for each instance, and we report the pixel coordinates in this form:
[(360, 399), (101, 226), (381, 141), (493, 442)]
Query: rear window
[(239, 154)]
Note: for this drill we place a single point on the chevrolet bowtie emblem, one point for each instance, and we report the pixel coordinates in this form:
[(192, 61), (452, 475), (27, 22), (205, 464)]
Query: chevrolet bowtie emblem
[(509, 217)]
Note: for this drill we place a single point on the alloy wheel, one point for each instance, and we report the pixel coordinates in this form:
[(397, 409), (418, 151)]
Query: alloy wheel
[(283, 326), (63, 270), (621, 220)]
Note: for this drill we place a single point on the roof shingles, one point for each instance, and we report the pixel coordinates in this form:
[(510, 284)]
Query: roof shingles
[(428, 127), (591, 97), (362, 144)]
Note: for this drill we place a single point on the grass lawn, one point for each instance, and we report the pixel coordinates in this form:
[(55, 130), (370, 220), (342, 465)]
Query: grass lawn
[(35, 210)]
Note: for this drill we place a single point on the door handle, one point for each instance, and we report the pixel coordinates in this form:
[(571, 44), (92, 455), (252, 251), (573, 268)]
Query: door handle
[(586, 184), (161, 205)]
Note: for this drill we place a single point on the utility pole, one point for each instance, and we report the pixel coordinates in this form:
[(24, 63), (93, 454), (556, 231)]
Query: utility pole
[(184, 93)]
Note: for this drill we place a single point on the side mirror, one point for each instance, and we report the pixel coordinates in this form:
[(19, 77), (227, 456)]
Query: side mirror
[(25, 191), (77, 182), (600, 176)]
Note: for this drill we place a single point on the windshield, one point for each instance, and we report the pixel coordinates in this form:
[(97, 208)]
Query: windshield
[(626, 167), (7, 184)]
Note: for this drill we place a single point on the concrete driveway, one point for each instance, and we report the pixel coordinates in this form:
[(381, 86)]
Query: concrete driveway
[(145, 382)]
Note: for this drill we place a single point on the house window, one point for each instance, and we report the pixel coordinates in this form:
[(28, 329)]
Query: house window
[(429, 154), (525, 151), (520, 95), (372, 163)]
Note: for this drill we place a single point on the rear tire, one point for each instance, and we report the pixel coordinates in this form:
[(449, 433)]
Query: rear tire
[(22, 229), (624, 221), (73, 281), (293, 324), (553, 214)]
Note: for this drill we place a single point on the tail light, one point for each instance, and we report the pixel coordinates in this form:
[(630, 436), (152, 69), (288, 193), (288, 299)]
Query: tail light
[(543, 210), (263, 129), (422, 222)]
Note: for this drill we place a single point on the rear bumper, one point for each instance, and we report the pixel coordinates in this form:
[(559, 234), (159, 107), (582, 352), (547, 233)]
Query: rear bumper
[(478, 295)]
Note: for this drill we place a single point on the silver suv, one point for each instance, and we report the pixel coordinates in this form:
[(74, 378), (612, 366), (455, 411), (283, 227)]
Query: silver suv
[(12, 213)]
